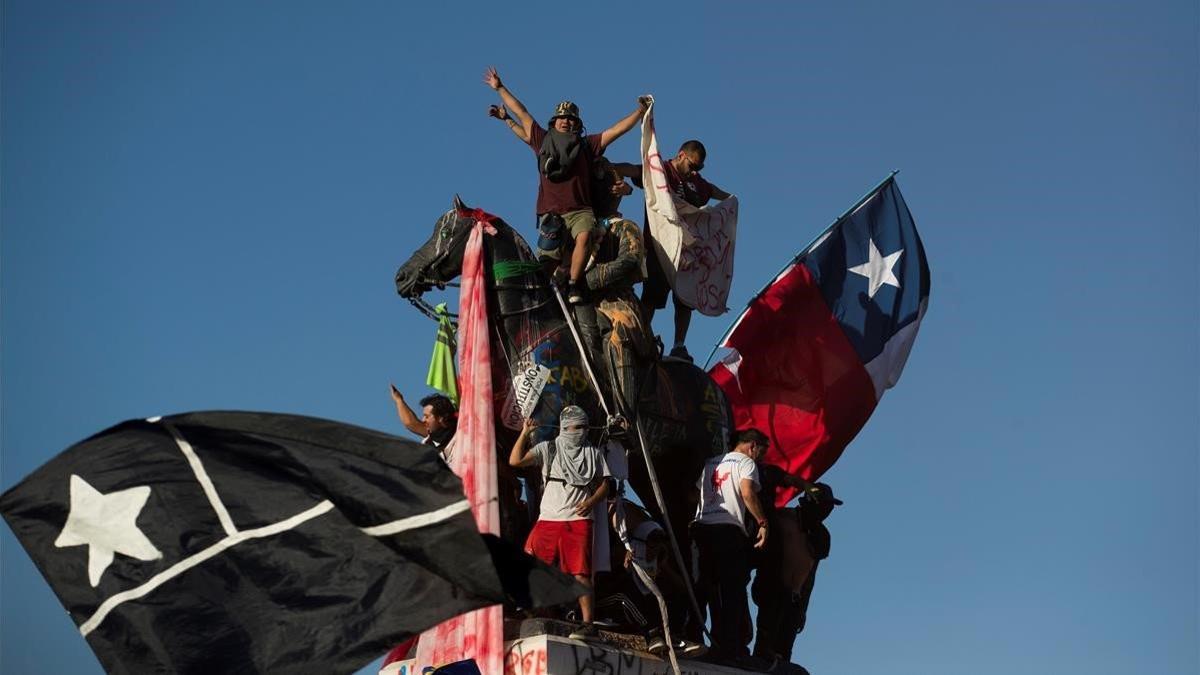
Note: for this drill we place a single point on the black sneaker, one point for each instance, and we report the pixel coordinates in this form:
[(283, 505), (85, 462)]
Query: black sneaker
[(574, 292), (657, 645), (691, 650), (587, 631), (680, 352)]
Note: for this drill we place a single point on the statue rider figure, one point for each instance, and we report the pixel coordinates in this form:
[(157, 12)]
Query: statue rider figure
[(618, 264)]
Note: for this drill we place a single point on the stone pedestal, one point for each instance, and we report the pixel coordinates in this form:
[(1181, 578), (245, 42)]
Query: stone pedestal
[(540, 647)]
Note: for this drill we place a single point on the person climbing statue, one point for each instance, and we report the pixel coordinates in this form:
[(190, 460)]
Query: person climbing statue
[(437, 424), (787, 569)]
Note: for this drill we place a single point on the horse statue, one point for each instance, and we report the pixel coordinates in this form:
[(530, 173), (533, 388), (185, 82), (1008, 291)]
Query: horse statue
[(681, 413)]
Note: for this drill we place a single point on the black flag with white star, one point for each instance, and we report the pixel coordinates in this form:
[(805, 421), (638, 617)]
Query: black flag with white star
[(234, 542)]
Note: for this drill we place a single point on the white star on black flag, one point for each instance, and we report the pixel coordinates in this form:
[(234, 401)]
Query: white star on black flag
[(254, 542), (106, 524)]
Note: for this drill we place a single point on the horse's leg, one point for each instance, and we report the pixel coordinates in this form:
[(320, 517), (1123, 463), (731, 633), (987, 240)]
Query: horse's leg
[(589, 331)]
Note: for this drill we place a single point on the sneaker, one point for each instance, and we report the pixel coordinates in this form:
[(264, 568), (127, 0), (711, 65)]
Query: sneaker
[(574, 292), (680, 352), (690, 650), (587, 631), (657, 646)]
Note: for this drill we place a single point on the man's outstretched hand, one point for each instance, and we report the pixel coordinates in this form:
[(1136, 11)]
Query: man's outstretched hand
[(492, 78), (498, 111)]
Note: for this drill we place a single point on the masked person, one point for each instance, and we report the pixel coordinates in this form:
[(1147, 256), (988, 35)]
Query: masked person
[(574, 481)]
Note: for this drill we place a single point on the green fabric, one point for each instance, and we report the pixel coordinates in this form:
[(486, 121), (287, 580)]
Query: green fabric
[(513, 268), (441, 367)]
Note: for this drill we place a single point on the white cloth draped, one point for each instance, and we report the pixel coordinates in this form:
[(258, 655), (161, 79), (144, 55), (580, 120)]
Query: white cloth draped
[(693, 245)]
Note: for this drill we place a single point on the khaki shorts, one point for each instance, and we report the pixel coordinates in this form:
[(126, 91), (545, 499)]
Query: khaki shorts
[(577, 222)]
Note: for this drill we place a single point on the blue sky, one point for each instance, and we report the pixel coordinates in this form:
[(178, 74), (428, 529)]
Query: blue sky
[(202, 206)]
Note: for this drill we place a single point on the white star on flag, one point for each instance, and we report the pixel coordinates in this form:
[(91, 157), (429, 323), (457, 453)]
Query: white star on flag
[(106, 524), (878, 269)]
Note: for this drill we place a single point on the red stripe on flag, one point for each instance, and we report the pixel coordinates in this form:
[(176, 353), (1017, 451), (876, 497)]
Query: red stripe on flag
[(799, 379)]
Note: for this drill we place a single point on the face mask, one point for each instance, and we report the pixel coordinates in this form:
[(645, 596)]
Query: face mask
[(572, 438)]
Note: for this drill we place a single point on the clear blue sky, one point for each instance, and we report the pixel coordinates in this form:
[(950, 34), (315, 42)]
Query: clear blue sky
[(203, 205)]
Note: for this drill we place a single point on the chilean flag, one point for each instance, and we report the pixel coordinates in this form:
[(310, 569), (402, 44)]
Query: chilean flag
[(814, 351)]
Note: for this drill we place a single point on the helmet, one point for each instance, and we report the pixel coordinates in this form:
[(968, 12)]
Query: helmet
[(566, 109)]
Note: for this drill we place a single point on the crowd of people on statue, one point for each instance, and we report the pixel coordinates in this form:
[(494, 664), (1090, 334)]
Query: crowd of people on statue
[(596, 256)]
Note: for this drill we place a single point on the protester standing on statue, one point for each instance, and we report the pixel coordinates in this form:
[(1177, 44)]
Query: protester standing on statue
[(574, 477), (683, 179), (565, 157), (722, 546), (437, 424)]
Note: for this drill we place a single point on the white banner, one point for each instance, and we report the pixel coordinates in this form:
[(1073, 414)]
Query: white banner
[(693, 245), (524, 393)]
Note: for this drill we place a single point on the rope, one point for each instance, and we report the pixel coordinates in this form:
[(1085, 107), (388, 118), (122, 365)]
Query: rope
[(662, 610)]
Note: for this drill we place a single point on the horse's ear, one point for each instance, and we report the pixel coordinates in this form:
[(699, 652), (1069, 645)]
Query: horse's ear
[(458, 204)]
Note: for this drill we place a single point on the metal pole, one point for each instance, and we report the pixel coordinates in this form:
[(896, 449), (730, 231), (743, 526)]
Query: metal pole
[(662, 505), (583, 352)]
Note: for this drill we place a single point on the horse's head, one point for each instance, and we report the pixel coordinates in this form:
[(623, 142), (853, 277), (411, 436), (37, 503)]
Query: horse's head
[(439, 260)]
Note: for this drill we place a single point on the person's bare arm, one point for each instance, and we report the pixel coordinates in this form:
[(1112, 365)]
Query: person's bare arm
[(624, 124), (407, 417), (627, 169), (796, 482), (501, 114), (750, 497), (519, 456), (492, 79)]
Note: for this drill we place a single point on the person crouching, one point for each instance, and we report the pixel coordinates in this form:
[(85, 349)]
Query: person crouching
[(573, 476)]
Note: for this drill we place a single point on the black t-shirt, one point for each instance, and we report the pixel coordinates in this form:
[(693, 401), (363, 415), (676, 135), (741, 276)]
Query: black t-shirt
[(770, 479)]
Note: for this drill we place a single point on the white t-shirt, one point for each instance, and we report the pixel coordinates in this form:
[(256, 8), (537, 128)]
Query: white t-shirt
[(559, 499), (721, 489)]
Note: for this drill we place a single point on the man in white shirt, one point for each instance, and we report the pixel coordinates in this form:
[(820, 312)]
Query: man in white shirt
[(574, 476), (721, 546)]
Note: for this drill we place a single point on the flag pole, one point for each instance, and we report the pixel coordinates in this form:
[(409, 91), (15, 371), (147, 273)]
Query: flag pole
[(862, 200)]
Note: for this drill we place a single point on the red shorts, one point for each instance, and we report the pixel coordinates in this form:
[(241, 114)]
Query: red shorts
[(566, 543)]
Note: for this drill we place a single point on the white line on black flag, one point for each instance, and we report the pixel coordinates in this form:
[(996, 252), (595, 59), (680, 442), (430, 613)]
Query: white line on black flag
[(236, 542)]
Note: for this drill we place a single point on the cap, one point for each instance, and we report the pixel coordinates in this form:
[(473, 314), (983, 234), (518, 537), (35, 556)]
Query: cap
[(566, 109), (825, 494)]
